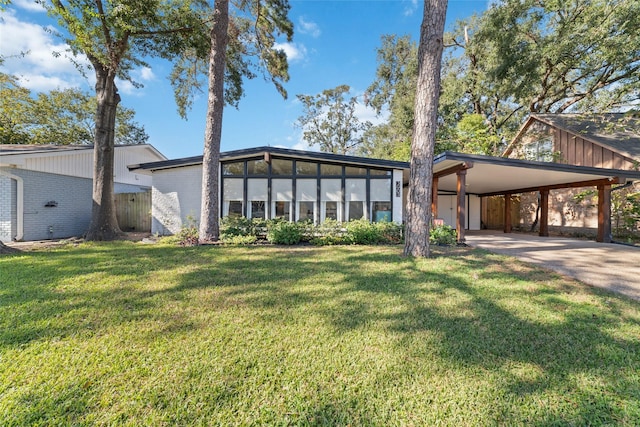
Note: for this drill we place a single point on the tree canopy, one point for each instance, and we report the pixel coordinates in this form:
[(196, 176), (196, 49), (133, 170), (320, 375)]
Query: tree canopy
[(329, 120), (61, 117), (516, 58), (117, 37)]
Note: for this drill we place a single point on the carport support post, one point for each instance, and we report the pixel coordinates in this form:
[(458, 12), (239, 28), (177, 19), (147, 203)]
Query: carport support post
[(604, 214), (507, 213), (461, 208), (544, 213)]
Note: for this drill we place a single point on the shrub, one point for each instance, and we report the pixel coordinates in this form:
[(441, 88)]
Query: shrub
[(330, 232), (239, 240), (390, 232), (231, 226), (363, 232), (188, 234), (282, 232), (442, 235)]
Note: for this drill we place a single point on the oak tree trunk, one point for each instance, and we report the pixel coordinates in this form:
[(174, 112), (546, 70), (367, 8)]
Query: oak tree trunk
[(210, 210), (424, 129), (104, 225)]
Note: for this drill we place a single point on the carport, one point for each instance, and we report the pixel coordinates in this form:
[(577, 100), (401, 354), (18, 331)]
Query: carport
[(483, 176)]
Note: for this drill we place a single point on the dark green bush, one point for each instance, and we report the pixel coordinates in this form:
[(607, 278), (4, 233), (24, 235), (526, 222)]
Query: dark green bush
[(362, 232), (443, 235), (283, 232)]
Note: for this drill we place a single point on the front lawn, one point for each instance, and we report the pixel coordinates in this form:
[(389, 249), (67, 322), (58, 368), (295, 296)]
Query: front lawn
[(131, 334)]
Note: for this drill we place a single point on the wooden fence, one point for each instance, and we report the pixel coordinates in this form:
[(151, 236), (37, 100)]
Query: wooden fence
[(133, 211)]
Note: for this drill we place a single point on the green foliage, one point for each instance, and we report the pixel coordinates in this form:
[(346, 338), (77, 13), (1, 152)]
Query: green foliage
[(251, 50), (188, 234), (393, 90), (239, 240), (233, 226), (547, 57), (329, 120), (330, 232), (60, 117), (282, 232), (362, 232), (442, 235)]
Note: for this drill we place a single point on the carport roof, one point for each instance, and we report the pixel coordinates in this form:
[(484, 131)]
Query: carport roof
[(498, 175)]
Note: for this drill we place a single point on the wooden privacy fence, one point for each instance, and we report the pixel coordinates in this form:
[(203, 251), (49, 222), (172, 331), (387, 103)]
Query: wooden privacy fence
[(133, 211)]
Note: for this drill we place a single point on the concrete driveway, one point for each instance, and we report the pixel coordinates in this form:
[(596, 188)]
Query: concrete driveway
[(605, 265)]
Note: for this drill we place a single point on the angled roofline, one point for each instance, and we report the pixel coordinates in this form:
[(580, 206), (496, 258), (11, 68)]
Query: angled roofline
[(530, 164), (535, 116), (285, 152), (22, 150)]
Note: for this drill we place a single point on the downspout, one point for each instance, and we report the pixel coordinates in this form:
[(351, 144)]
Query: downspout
[(19, 203)]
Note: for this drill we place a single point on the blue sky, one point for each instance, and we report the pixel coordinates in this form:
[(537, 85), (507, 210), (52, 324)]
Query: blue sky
[(334, 43)]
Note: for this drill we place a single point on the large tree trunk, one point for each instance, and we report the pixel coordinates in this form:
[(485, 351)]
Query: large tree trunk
[(424, 130), (104, 225), (209, 213)]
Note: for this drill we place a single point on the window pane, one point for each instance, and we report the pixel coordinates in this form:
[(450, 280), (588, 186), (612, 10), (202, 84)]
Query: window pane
[(283, 210), (379, 172), (350, 170), (306, 168), (235, 208), (281, 167), (381, 211), (380, 190), (356, 210), (257, 167), (306, 211), (331, 210), (257, 209), (231, 169), (330, 170)]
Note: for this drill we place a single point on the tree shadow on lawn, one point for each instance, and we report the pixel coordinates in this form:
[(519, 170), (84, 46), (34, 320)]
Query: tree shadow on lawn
[(486, 313), (493, 315)]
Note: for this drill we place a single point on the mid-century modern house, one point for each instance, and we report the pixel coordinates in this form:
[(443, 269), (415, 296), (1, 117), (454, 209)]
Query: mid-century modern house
[(269, 182), (610, 141), (46, 190)]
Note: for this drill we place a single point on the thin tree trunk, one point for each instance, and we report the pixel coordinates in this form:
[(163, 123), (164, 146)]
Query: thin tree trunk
[(209, 213), (424, 130), (104, 225)]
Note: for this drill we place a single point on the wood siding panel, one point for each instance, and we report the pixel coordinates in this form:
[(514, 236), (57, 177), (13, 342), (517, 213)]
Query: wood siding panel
[(607, 159), (597, 156), (579, 152), (588, 154)]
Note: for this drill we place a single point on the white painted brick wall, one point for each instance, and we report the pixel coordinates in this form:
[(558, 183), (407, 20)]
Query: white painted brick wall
[(71, 216), (176, 196), (7, 209)]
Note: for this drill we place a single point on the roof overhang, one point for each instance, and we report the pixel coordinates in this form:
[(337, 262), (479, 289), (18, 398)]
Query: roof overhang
[(487, 176), (268, 151)]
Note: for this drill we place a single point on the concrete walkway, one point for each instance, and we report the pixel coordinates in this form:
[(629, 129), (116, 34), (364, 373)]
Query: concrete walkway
[(611, 266)]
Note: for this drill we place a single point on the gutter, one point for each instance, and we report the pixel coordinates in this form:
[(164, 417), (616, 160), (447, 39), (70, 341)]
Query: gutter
[(19, 203)]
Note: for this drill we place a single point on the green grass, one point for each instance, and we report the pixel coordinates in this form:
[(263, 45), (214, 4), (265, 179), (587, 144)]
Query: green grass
[(131, 334)]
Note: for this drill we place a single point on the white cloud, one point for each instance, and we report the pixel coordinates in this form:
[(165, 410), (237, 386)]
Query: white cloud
[(29, 49), (294, 51), (29, 5), (411, 7), (146, 74), (308, 27)]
